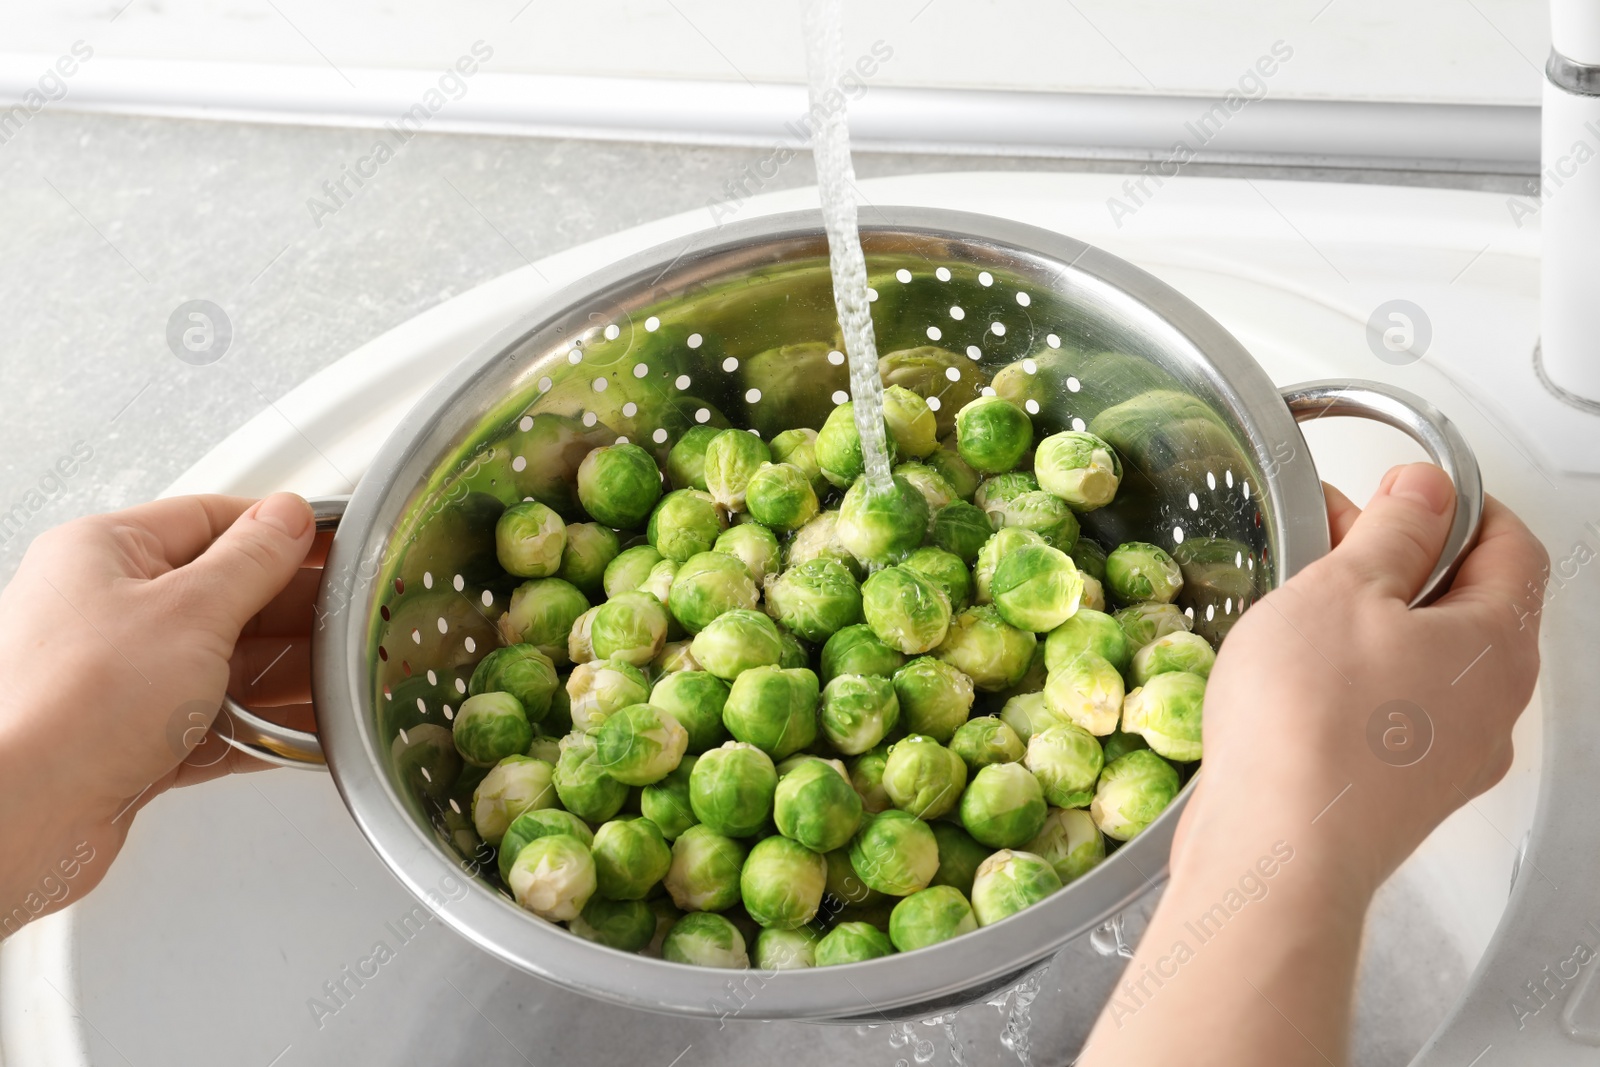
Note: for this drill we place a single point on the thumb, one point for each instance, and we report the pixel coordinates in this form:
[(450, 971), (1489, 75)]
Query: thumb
[(1395, 543), (242, 570)]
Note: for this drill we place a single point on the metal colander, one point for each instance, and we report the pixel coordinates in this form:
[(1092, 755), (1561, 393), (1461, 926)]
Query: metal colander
[(738, 329)]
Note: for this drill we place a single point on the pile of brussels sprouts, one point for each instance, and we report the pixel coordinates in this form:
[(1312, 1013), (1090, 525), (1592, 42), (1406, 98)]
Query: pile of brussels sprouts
[(756, 712)]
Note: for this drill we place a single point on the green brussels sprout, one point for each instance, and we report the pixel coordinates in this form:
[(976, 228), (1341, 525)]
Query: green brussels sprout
[(816, 805), (529, 539), (582, 783), (1087, 691), (1005, 541), (1004, 805), (946, 570), (1166, 712), (1090, 558), (589, 552), (1070, 842), (794, 654), (521, 670), (961, 530), (882, 526), (514, 785), (629, 569), (1079, 468), (785, 950), (599, 689), (553, 877), (731, 789), (866, 774), (930, 916), (799, 446), (753, 545), (1118, 743), (489, 727), (666, 803), (1033, 678), (541, 614), (555, 446), (934, 697), (630, 857), (993, 434), (1087, 630), (845, 887), (1144, 623), (773, 708), (704, 875), (818, 539), (1036, 588), (857, 650), (732, 459), (557, 722), (685, 523), (782, 882), (923, 777), (1001, 489), (1138, 572), (984, 647), (910, 421), (816, 599), (1028, 714), (779, 495), (894, 852), (619, 484), (686, 463), (936, 492), (960, 856), (580, 640), (640, 744), (985, 740), (956, 472), (667, 915), (1133, 790), (925, 370), (627, 925), (1067, 760), (838, 447), (1044, 514), (630, 628), (906, 609), (674, 657), (1094, 593), (1179, 651), (707, 585), (736, 641), (852, 942), (705, 939), (696, 699), (1009, 882), (659, 585), (858, 711), (534, 824), (546, 748)]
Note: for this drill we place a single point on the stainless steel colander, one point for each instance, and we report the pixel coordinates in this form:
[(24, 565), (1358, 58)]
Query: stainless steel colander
[(738, 328)]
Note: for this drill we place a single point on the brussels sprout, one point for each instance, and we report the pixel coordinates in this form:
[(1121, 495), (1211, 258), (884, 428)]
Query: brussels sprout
[(1119, 744), (1070, 842), (559, 443), (1179, 651), (659, 585), (558, 721), (753, 545), (1138, 572), (1144, 623), (541, 614), (936, 492), (799, 446), (957, 472), (866, 774), (816, 599), (1036, 588), (521, 670), (894, 852), (780, 495), (782, 882), (1087, 631), (630, 628), (489, 727), (731, 789), (930, 916), (736, 641), (582, 783), (529, 539), (852, 942), (1066, 759), (1028, 714), (667, 915), (1004, 806), (946, 570), (858, 711), (1090, 558), (985, 740), (546, 748), (857, 650), (1005, 542), (882, 526), (674, 657), (838, 447), (994, 493), (685, 523), (925, 371), (934, 697), (1166, 712), (817, 806), (640, 744), (553, 877), (785, 950), (1087, 691), (580, 639), (630, 857), (1094, 594), (686, 463), (619, 484), (589, 552), (818, 539), (1133, 790), (773, 708), (910, 421), (705, 939), (704, 874), (961, 530), (993, 434), (1079, 468), (707, 585), (845, 887), (599, 689), (794, 653), (906, 609), (515, 785), (629, 569), (923, 777), (666, 803), (534, 824), (1044, 514), (1010, 881), (984, 647), (627, 925), (960, 856), (732, 459), (1033, 679), (695, 699)]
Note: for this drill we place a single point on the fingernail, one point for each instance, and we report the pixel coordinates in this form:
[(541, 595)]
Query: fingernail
[(1426, 484), (286, 513)]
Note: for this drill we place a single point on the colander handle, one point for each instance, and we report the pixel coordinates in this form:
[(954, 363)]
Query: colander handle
[(1428, 427), (260, 738)]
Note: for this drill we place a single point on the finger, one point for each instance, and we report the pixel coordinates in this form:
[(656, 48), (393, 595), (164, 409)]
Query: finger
[(184, 526), (291, 613), (268, 672), (1393, 545), (249, 564), (1505, 572), (1342, 514)]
